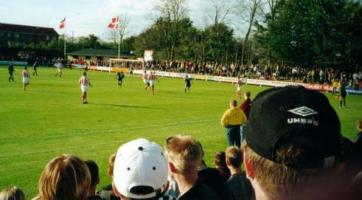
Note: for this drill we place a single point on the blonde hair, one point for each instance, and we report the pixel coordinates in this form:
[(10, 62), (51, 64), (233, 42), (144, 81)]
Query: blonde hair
[(64, 177), (12, 193), (184, 152), (111, 160)]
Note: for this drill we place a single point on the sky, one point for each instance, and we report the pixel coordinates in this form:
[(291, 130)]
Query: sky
[(84, 17)]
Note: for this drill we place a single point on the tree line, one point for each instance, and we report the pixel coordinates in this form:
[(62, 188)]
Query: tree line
[(308, 33)]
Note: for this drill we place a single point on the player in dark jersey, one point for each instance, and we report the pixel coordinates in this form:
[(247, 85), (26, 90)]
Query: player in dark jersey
[(120, 77), (35, 68), (11, 72), (342, 94), (187, 83)]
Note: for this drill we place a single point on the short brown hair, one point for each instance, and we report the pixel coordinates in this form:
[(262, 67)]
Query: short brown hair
[(234, 156), (184, 152), (64, 177)]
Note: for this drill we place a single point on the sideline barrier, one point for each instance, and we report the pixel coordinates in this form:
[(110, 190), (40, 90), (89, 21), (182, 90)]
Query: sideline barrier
[(259, 82), (7, 62)]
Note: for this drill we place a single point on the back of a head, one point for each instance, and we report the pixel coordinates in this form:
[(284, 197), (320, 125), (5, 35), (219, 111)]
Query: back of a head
[(64, 177), (185, 153), (219, 160), (140, 170), (12, 193), (293, 138), (233, 103), (94, 172), (234, 156)]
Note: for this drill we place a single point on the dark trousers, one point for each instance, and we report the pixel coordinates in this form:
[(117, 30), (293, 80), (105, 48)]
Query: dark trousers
[(233, 135)]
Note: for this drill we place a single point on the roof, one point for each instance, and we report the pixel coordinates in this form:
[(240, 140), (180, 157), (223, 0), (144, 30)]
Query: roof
[(27, 29), (98, 52)]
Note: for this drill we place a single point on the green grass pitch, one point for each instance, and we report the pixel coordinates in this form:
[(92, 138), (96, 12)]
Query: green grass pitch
[(49, 120)]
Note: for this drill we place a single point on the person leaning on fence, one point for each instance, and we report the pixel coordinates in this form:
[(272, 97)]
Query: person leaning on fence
[(232, 119), (293, 146)]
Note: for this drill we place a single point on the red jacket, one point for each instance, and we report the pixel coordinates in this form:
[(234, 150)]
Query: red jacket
[(245, 106)]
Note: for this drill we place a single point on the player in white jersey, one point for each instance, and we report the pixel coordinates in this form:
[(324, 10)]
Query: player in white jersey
[(238, 83), (84, 84), (152, 79), (59, 67), (26, 77), (145, 79)]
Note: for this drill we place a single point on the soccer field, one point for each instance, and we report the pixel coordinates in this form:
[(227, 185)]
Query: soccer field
[(49, 120)]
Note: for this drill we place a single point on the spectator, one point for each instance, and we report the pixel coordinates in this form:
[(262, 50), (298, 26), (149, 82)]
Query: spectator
[(140, 171), (220, 164), (94, 173), (232, 119), (184, 157), (12, 193), (293, 145), (64, 177), (237, 184), (107, 192), (211, 177), (359, 134), (246, 105)]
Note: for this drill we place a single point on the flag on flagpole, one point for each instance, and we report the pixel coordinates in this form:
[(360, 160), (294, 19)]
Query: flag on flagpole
[(62, 24), (114, 23)]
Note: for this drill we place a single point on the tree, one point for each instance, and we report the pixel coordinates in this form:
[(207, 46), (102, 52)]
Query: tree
[(248, 11), (218, 41), (172, 12), (91, 41), (220, 10), (310, 32)]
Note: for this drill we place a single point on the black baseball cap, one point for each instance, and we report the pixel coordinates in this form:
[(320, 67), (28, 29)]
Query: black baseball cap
[(294, 115)]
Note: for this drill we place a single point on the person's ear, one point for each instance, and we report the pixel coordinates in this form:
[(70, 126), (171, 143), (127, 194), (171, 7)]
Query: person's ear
[(172, 167), (247, 164), (227, 162)]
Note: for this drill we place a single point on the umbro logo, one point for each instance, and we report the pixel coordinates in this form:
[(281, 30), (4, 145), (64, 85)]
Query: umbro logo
[(303, 111)]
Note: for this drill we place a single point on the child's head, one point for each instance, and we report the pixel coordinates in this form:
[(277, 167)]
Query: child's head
[(65, 177), (12, 193)]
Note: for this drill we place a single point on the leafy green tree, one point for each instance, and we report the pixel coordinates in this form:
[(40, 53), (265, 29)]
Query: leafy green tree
[(313, 32), (218, 40)]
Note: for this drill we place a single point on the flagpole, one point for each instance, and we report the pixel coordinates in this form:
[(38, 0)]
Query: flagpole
[(119, 39), (65, 48), (119, 45)]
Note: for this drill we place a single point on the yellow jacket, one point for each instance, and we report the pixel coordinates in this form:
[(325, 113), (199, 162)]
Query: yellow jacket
[(233, 116)]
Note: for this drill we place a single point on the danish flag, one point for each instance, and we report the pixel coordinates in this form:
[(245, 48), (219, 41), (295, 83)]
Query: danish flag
[(114, 23), (62, 24)]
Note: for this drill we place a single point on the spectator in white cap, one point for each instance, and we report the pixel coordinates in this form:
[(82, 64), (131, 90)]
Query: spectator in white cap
[(140, 171)]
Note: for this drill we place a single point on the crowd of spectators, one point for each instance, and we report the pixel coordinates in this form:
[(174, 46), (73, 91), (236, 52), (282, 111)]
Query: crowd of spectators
[(293, 149), (279, 72)]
